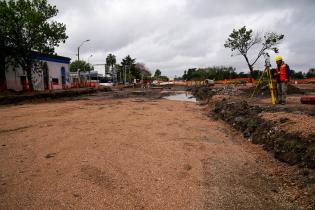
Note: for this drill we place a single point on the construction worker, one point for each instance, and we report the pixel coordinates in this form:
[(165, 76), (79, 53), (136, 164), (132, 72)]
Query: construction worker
[(283, 74)]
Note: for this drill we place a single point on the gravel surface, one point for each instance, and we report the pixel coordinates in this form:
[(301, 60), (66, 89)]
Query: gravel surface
[(131, 154), (292, 122)]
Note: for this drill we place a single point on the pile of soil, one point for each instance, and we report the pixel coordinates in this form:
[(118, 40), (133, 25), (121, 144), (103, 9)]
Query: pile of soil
[(292, 148), (295, 90), (203, 93), (291, 122)]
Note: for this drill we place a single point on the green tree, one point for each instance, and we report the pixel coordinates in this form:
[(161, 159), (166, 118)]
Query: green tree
[(157, 73), (297, 74), (28, 26), (144, 71), (110, 62), (242, 40), (128, 61), (129, 68), (200, 74), (242, 75), (310, 73), (184, 77), (164, 78), (80, 65), (256, 74), (190, 73), (5, 44), (215, 72)]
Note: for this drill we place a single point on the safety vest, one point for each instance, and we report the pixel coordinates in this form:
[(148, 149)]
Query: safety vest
[(282, 72)]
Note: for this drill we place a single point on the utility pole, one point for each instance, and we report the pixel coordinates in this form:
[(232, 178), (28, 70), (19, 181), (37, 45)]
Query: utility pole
[(80, 46), (89, 67), (79, 56)]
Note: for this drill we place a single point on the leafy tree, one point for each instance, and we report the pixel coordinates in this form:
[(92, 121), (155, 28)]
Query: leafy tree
[(128, 69), (297, 74), (5, 44), (164, 78), (184, 77), (80, 65), (242, 75), (28, 26), (157, 73), (120, 72), (200, 74), (310, 73), (242, 40), (110, 62), (256, 74), (215, 72), (189, 74), (144, 71), (128, 63)]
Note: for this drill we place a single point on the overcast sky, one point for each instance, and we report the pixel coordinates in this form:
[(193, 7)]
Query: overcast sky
[(175, 35)]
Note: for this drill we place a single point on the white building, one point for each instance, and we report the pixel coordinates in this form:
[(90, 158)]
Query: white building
[(52, 73)]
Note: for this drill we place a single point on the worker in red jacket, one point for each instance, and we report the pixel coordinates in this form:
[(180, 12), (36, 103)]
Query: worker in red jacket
[(283, 74)]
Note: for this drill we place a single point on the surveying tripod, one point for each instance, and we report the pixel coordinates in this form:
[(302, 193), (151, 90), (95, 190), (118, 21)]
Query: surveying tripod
[(271, 84)]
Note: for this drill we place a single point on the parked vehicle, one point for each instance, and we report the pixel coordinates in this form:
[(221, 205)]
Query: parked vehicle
[(209, 82)]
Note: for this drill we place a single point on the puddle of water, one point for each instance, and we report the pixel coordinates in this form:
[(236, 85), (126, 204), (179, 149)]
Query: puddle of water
[(181, 97)]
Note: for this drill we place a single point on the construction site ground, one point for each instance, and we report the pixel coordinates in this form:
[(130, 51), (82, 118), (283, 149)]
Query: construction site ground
[(110, 151)]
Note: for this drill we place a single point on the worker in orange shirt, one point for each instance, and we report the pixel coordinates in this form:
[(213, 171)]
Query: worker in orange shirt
[(283, 74)]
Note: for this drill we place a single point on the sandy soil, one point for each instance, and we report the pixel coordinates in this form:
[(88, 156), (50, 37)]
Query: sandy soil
[(132, 154), (293, 122)]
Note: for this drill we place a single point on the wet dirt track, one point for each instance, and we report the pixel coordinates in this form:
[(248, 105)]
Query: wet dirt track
[(130, 154)]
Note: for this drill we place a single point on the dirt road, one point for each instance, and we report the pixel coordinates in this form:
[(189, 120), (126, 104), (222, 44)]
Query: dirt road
[(130, 154)]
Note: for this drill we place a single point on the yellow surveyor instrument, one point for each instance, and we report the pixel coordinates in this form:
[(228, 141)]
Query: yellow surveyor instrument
[(271, 84)]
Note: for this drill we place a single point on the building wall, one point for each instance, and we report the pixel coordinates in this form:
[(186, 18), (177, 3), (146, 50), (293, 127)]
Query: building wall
[(13, 77), (55, 73)]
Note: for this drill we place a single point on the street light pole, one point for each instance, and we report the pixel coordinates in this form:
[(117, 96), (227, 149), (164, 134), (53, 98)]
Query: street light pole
[(89, 58), (79, 58), (89, 67), (80, 46)]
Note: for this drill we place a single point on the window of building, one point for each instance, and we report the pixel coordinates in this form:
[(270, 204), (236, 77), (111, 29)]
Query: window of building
[(55, 81)]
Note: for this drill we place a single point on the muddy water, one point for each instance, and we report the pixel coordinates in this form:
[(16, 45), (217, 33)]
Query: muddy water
[(181, 97)]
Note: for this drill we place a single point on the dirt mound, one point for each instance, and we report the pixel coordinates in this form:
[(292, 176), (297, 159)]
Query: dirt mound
[(202, 93), (291, 122), (292, 148), (294, 90)]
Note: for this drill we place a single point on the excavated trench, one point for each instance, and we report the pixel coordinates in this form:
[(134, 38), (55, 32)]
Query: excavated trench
[(292, 148)]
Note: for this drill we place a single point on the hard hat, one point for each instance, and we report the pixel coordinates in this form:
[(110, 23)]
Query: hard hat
[(278, 58)]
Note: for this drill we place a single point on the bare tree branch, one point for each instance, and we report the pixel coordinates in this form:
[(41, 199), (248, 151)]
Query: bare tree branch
[(243, 40)]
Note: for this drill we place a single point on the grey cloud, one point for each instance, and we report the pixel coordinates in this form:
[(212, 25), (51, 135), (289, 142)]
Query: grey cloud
[(178, 34)]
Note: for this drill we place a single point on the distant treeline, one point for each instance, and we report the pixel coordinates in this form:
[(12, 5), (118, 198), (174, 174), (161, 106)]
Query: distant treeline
[(223, 72), (215, 72), (300, 75)]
